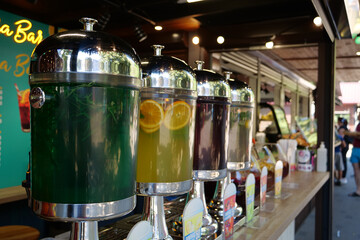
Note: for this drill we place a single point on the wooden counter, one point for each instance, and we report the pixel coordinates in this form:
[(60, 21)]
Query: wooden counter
[(287, 209), (12, 194)]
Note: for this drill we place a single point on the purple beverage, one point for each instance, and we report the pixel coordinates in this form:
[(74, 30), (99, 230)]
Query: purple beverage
[(211, 133), (212, 125)]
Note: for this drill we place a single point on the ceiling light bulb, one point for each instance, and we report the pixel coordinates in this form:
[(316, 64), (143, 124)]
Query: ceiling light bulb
[(317, 21), (196, 40), (357, 53), (175, 35), (269, 44), (192, 1), (158, 28), (220, 39)]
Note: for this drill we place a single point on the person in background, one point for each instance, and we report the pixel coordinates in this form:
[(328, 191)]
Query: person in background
[(339, 122), (339, 166), (355, 157), (342, 123)]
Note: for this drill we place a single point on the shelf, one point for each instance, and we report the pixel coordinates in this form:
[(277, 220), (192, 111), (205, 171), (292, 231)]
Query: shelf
[(287, 210), (12, 194)]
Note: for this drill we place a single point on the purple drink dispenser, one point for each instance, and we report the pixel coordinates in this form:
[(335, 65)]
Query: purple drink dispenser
[(240, 139), (211, 137)]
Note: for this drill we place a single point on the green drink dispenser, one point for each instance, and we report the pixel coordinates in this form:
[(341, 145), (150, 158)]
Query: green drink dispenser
[(241, 125), (84, 128)]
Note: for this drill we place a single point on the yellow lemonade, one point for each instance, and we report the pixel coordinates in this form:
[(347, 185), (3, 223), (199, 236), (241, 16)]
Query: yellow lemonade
[(166, 140)]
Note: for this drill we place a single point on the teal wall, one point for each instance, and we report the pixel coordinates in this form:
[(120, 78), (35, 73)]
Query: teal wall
[(16, 46)]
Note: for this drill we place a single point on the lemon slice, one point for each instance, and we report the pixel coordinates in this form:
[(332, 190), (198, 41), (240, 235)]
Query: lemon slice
[(177, 115), (151, 114)]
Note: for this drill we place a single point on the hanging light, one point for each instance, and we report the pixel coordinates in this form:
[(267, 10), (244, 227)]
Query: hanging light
[(104, 18), (196, 40), (187, 1), (175, 36), (158, 28), (220, 39), (357, 53), (317, 21), (139, 32), (269, 44)]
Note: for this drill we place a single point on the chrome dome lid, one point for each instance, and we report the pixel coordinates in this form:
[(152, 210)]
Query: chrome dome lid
[(85, 56), (210, 83), (240, 91), (167, 72)]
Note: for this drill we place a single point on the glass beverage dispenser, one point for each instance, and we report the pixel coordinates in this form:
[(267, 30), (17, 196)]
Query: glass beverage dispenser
[(240, 136), (211, 136), (166, 139), (85, 88)]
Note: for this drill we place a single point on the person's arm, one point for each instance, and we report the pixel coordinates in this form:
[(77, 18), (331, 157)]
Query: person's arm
[(337, 143), (352, 134), (341, 136)]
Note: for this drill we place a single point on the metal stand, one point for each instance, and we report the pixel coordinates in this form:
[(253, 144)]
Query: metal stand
[(209, 225), (217, 203), (84, 230), (154, 213)]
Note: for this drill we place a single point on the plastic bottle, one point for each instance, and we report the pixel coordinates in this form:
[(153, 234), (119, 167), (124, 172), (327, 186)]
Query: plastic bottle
[(321, 163)]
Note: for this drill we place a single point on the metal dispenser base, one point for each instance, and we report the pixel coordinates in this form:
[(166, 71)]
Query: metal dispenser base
[(84, 217), (216, 206), (85, 230), (209, 225), (154, 213)]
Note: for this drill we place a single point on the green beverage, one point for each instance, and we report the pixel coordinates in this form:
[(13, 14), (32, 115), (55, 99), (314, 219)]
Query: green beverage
[(84, 143), (166, 140), (241, 125)]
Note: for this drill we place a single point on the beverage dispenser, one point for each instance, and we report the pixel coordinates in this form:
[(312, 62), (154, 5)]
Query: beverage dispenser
[(166, 138), (241, 125), (240, 137), (211, 136), (85, 97)]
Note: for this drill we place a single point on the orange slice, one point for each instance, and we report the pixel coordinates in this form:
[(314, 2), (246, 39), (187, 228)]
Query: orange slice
[(177, 115), (150, 130), (151, 114), (25, 96)]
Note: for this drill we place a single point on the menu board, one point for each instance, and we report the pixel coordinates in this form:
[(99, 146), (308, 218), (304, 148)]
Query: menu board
[(281, 119), (18, 38)]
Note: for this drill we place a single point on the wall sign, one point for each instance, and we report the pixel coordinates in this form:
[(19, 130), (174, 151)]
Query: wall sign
[(18, 38)]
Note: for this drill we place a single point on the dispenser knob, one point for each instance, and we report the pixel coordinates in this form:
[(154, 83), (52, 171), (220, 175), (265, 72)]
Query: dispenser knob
[(157, 49), (37, 97), (199, 64), (227, 75), (88, 23)]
